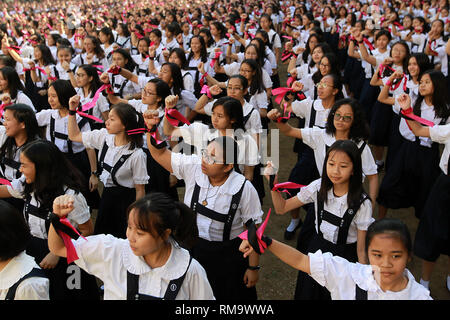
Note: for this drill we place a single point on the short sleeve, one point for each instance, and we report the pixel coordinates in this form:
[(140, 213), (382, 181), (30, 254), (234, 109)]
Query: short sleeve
[(312, 136), (184, 166), (364, 218), (300, 108), (17, 187), (94, 139), (308, 194), (251, 208), (368, 162), (43, 117), (440, 133), (139, 167)]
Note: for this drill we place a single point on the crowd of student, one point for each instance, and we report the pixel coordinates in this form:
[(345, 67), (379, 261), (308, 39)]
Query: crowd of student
[(114, 106)]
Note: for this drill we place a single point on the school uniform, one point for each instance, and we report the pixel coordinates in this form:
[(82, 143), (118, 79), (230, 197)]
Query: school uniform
[(221, 212), (59, 73), (120, 170), (142, 64), (108, 53), (128, 277), (353, 281), (432, 236), (81, 59), (195, 74), (56, 131), (9, 167), (33, 88), (408, 180), (123, 42), (38, 218), (159, 176), (234, 67), (23, 98), (122, 86), (102, 105), (22, 279), (382, 118), (336, 230), (438, 46)]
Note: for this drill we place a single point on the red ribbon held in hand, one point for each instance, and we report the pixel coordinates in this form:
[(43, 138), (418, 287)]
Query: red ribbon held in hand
[(71, 252), (175, 117), (259, 233)]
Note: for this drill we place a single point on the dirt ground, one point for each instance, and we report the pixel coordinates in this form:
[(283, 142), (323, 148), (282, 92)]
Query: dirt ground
[(277, 280)]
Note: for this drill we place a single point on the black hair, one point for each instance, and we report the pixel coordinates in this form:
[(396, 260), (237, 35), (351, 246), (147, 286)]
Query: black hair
[(131, 64), (162, 90), (260, 59), (308, 51), (383, 32), (47, 56), (177, 78), (257, 84), (406, 59), (14, 232), (422, 61), (203, 50), (97, 47), (131, 120), (54, 173), (221, 28), (395, 227), (126, 31), (440, 97), (64, 91), (359, 129), (181, 55), (156, 212), (355, 188), (233, 110), (244, 81), (108, 32), (64, 47), (23, 114), (7, 61), (92, 72), (208, 34), (14, 84)]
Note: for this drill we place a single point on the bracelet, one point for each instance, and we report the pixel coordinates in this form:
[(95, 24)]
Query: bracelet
[(95, 173), (152, 58), (72, 112), (254, 267)]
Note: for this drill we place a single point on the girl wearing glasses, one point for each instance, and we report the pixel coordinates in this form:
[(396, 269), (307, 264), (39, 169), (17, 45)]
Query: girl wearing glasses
[(224, 202), (88, 82), (343, 211)]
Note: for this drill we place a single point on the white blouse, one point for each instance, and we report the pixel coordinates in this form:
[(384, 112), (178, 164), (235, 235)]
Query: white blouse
[(441, 134), (341, 277), (101, 106), (189, 169), (134, 169), (79, 215), (303, 109), (337, 206), (109, 258), (34, 288), (318, 139), (61, 126)]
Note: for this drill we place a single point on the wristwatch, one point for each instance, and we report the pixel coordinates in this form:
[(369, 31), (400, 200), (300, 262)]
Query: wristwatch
[(95, 173), (254, 267)]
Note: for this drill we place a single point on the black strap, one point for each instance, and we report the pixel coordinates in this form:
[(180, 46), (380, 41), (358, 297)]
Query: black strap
[(121, 87), (171, 293), (312, 116), (56, 72), (247, 117), (35, 272), (63, 136), (360, 294), (7, 162), (342, 223), (112, 170), (226, 219)]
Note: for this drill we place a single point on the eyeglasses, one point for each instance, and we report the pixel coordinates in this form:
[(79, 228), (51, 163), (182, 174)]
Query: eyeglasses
[(207, 157), (246, 71), (339, 117), (323, 85), (324, 65)]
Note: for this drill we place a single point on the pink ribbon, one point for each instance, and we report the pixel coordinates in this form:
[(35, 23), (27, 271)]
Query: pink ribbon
[(259, 234), (5, 182), (409, 113), (71, 252), (92, 103), (2, 108), (281, 91), (175, 117), (284, 117), (216, 57), (114, 70), (16, 49), (205, 90), (286, 185), (202, 79)]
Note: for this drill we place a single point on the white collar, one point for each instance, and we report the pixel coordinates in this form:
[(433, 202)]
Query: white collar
[(18, 267), (230, 187), (175, 266)]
